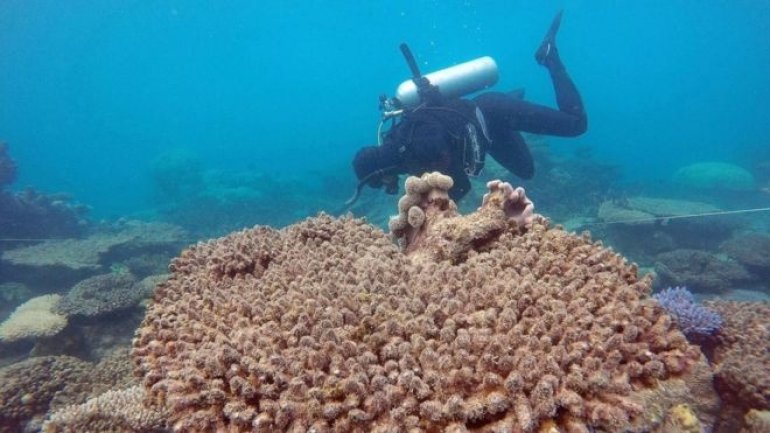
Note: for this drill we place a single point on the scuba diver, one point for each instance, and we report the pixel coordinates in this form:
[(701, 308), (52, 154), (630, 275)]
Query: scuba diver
[(434, 130)]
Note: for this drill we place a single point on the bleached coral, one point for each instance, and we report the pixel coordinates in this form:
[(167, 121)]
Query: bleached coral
[(33, 319)]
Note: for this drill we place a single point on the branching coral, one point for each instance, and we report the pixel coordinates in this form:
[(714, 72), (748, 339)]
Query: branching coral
[(115, 411), (693, 319), (476, 325)]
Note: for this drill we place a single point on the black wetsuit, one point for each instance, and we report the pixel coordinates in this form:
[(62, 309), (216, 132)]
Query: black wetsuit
[(432, 138), (437, 136)]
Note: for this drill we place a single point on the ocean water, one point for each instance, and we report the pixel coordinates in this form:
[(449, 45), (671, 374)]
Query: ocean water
[(91, 93), (214, 116)]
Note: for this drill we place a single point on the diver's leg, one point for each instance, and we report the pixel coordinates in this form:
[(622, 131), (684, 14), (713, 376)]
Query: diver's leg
[(547, 54), (502, 111), (568, 121)]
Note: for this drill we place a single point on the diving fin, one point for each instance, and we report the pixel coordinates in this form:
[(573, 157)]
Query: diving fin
[(549, 41)]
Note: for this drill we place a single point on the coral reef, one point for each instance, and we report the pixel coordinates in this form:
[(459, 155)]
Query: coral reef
[(756, 421), (715, 176), (33, 319), (752, 250), (113, 371), (641, 228), (148, 284), (120, 411), (566, 185), (692, 318), (100, 295), (427, 203), (741, 356), (478, 325), (210, 202), (11, 295), (700, 270), (28, 387), (177, 175), (681, 419), (58, 264), (32, 214), (38, 386)]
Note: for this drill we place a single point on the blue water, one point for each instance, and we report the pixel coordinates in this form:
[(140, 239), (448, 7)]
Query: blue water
[(91, 92)]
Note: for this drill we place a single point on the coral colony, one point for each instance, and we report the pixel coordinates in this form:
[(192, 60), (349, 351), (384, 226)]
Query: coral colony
[(693, 319), (491, 321)]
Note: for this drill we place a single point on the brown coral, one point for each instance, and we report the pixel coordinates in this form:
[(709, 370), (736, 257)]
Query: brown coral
[(326, 326), (741, 357), (28, 387), (429, 226), (115, 411), (32, 388), (101, 294)]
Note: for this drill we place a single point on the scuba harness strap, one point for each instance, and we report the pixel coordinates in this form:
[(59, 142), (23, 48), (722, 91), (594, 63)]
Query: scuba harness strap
[(467, 138), (466, 130), (432, 100)]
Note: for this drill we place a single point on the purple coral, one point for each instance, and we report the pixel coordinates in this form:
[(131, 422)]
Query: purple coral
[(693, 319)]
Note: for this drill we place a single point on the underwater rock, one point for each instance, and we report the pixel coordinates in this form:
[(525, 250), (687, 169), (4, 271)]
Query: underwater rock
[(325, 325), (715, 176)]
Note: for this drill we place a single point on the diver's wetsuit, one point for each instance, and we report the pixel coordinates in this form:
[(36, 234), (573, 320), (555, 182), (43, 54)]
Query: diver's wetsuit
[(431, 138), (440, 134)]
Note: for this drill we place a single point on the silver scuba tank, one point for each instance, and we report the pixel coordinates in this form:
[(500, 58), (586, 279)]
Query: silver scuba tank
[(454, 81)]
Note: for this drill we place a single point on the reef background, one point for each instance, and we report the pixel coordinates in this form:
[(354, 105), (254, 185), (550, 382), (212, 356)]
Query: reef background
[(130, 130), (93, 94)]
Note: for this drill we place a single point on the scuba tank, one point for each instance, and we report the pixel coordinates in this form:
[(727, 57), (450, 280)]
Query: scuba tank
[(419, 92), (452, 82)]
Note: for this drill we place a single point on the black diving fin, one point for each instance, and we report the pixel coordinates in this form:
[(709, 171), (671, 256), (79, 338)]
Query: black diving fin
[(549, 40)]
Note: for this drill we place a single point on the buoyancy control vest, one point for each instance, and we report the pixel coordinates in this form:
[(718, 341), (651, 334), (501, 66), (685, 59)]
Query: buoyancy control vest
[(453, 126)]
